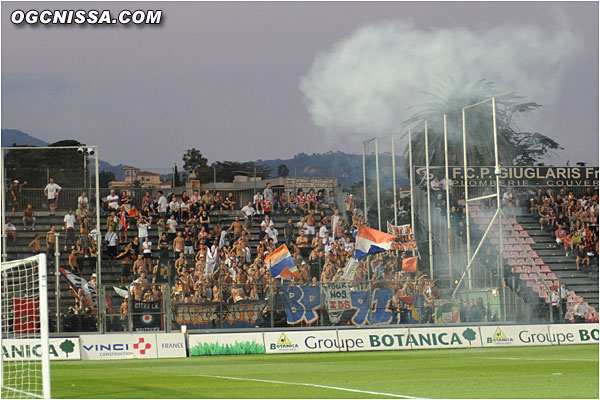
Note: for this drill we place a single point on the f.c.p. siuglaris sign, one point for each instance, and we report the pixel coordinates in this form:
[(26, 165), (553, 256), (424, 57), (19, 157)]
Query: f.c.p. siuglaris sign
[(515, 176)]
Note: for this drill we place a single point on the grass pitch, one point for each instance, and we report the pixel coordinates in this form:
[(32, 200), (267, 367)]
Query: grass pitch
[(517, 372)]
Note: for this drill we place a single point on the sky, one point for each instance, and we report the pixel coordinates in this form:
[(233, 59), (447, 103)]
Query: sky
[(247, 81)]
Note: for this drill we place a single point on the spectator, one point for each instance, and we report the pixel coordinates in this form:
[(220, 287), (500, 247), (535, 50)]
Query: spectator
[(248, 212), (579, 311), (147, 252), (50, 242), (69, 226), (350, 207), (29, 218), (15, 194), (162, 204), (82, 215), (258, 203), (112, 201), (51, 191), (34, 245), (83, 201), (112, 240), (564, 294), (268, 193)]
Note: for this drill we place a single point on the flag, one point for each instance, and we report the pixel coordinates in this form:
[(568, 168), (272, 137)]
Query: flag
[(76, 283), (25, 315), (409, 264), (121, 291), (281, 263), (350, 270), (371, 241)]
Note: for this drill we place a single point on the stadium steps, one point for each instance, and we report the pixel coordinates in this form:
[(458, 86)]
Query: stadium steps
[(582, 283)]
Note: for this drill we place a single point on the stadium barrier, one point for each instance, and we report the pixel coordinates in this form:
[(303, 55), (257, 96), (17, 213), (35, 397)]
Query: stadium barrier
[(129, 346), (321, 341), (60, 348)]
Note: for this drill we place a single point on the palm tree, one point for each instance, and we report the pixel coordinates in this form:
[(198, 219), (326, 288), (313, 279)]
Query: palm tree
[(515, 147)]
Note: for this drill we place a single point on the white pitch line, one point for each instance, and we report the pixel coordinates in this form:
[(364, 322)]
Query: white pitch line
[(402, 396), (538, 359)]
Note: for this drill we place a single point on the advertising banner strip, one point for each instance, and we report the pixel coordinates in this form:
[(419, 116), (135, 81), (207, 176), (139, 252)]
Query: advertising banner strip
[(170, 345), (118, 347), (226, 343), (31, 349)]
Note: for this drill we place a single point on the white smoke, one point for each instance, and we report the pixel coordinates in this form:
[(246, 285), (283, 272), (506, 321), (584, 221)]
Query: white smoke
[(367, 82)]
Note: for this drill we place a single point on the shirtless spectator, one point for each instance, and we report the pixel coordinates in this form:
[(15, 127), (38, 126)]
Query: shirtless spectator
[(126, 257), (29, 218), (139, 266), (50, 242), (52, 190), (237, 227), (350, 207), (178, 244), (35, 246), (73, 260), (311, 222)]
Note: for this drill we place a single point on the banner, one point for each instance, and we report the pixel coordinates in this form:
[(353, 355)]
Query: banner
[(170, 345), (574, 333), (447, 311), (302, 342), (243, 314), (350, 269), (409, 264), (406, 238), (25, 315), (226, 344), (76, 284), (302, 303), (118, 347), (31, 349), (515, 176), (337, 295), (147, 316), (515, 335)]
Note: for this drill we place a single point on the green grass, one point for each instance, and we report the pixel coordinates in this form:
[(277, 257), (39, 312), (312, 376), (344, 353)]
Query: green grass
[(518, 372)]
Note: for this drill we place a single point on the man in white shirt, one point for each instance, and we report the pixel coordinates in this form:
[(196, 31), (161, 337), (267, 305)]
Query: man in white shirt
[(171, 227), (69, 222), (162, 204), (52, 190), (113, 201), (248, 212), (83, 201), (435, 184), (322, 230), (267, 222), (142, 226), (11, 230), (268, 192)]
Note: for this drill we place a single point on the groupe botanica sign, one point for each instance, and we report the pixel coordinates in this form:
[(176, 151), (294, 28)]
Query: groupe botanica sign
[(31, 349)]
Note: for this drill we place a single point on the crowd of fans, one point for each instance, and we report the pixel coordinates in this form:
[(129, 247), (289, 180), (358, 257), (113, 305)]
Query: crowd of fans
[(207, 258)]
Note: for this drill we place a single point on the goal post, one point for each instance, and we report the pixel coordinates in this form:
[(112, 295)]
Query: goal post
[(25, 366)]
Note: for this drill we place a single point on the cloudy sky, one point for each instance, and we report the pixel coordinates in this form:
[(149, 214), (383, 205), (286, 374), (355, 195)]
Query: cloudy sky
[(242, 81)]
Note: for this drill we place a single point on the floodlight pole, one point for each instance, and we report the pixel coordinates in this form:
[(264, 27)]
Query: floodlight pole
[(428, 203), (448, 203), (3, 195), (412, 197), (377, 177), (100, 311), (394, 182), (466, 183), (364, 162), (499, 202)]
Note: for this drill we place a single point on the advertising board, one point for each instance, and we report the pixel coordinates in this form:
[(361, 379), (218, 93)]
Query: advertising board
[(444, 338), (302, 342), (226, 343), (170, 345), (516, 335), (374, 339), (118, 347), (574, 333), (31, 349)]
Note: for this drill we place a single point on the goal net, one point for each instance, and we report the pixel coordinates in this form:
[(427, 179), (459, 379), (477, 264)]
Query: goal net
[(25, 366)]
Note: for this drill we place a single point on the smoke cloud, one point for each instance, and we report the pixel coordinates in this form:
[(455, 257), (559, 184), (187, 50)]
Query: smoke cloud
[(367, 81)]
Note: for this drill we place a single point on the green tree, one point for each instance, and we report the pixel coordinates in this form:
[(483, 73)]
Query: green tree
[(283, 170), (469, 334), (194, 161), (515, 147), (34, 166), (67, 346), (105, 177)]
